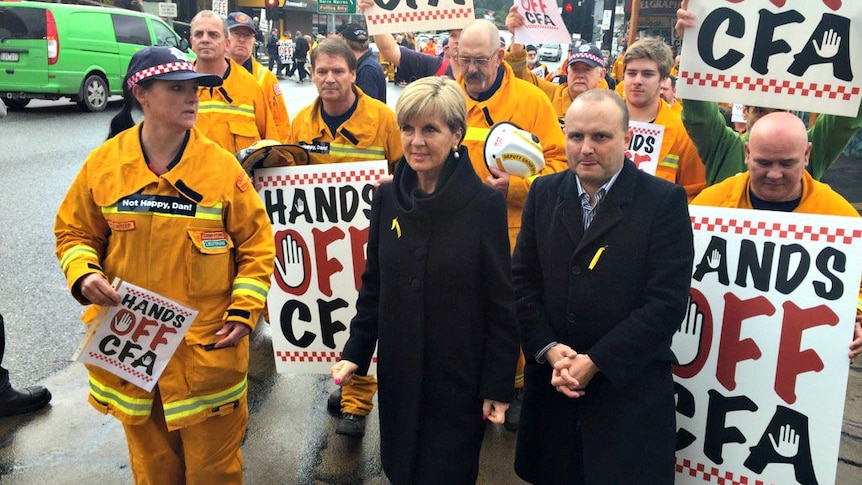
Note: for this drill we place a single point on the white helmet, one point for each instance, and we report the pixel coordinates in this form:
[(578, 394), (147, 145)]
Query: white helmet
[(513, 150)]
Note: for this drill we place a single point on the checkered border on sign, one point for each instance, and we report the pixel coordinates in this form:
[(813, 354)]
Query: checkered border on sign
[(161, 302), (117, 363), (713, 474), (347, 176), (775, 229), (310, 356), (441, 14), (646, 131), (758, 84)]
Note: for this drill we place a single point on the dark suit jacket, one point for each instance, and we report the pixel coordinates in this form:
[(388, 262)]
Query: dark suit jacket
[(622, 313)]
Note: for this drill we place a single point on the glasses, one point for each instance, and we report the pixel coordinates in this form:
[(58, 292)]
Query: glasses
[(476, 61)]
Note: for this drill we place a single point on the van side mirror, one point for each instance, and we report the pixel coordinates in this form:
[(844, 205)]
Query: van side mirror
[(184, 45)]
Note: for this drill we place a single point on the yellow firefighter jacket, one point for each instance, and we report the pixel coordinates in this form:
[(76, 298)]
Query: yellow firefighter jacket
[(525, 105), (371, 133), (235, 114), (200, 239), (272, 93)]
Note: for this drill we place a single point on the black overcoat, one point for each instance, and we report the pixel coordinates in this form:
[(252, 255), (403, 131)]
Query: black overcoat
[(437, 298), (622, 313)]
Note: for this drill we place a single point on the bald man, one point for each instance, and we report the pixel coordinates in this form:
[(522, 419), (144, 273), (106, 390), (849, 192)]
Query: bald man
[(777, 154)]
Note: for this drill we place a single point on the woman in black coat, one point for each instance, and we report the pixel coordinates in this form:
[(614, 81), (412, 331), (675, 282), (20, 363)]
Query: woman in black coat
[(436, 298)]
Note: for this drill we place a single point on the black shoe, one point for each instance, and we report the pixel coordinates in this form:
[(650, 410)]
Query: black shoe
[(513, 414), (351, 425), (333, 402), (23, 401)]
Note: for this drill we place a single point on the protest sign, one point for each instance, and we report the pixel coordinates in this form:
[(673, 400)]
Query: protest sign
[(320, 216), (542, 23), (393, 16), (285, 51), (645, 145), (804, 56), (263, 24), (220, 8), (135, 339), (763, 349)]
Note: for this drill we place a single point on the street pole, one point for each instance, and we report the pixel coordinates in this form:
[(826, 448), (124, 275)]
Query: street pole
[(608, 37), (633, 24)]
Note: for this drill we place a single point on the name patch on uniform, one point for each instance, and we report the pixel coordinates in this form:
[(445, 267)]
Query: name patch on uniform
[(243, 182), (119, 226), (157, 203), (316, 147), (213, 239)]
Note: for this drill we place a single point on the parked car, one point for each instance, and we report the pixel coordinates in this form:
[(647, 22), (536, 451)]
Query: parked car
[(52, 50), (550, 52)]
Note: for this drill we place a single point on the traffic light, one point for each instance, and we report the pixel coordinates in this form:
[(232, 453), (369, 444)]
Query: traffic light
[(272, 10), (570, 16)]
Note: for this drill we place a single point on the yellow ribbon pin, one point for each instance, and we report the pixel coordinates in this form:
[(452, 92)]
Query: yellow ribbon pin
[(396, 227)]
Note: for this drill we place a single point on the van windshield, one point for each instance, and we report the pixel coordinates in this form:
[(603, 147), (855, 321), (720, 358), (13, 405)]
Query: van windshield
[(22, 23)]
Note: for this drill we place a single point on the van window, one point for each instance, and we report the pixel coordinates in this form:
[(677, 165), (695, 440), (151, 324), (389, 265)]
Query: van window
[(131, 30), (88, 27), (164, 35), (22, 23)]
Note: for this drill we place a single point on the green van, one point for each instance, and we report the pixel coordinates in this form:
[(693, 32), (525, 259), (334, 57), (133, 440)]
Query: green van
[(53, 50)]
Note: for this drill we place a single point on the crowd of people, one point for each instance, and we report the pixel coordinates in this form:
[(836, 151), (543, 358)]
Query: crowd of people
[(513, 328)]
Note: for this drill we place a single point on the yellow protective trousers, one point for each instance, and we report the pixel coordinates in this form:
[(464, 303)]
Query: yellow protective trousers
[(205, 453), (357, 394)]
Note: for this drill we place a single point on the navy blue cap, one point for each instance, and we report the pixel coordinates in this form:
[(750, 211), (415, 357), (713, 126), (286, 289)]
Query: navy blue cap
[(239, 19), (168, 64), (354, 32), (587, 53)]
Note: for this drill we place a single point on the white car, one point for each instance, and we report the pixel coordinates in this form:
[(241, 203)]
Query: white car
[(550, 52)]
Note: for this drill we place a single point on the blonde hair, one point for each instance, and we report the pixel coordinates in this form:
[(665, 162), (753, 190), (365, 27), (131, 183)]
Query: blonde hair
[(653, 49), (436, 96)]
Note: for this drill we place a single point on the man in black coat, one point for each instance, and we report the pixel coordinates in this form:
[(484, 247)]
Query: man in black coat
[(602, 272), (300, 54)]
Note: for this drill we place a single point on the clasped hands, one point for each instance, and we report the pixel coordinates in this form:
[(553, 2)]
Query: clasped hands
[(572, 371)]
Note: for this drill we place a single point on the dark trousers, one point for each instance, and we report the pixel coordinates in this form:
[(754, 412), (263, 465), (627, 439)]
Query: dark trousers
[(298, 65), (273, 58)]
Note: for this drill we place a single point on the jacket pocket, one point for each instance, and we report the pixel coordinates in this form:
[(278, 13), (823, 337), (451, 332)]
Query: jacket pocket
[(211, 371), (210, 264), (243, 134)]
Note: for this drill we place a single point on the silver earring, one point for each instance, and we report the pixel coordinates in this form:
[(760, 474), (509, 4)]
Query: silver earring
[(455, 153)]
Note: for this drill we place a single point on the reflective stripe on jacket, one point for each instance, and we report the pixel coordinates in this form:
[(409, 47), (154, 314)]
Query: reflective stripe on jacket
[(204, 241), (371, 133)]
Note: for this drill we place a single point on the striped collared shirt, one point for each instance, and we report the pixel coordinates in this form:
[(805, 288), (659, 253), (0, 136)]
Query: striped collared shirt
[(589, 211)]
